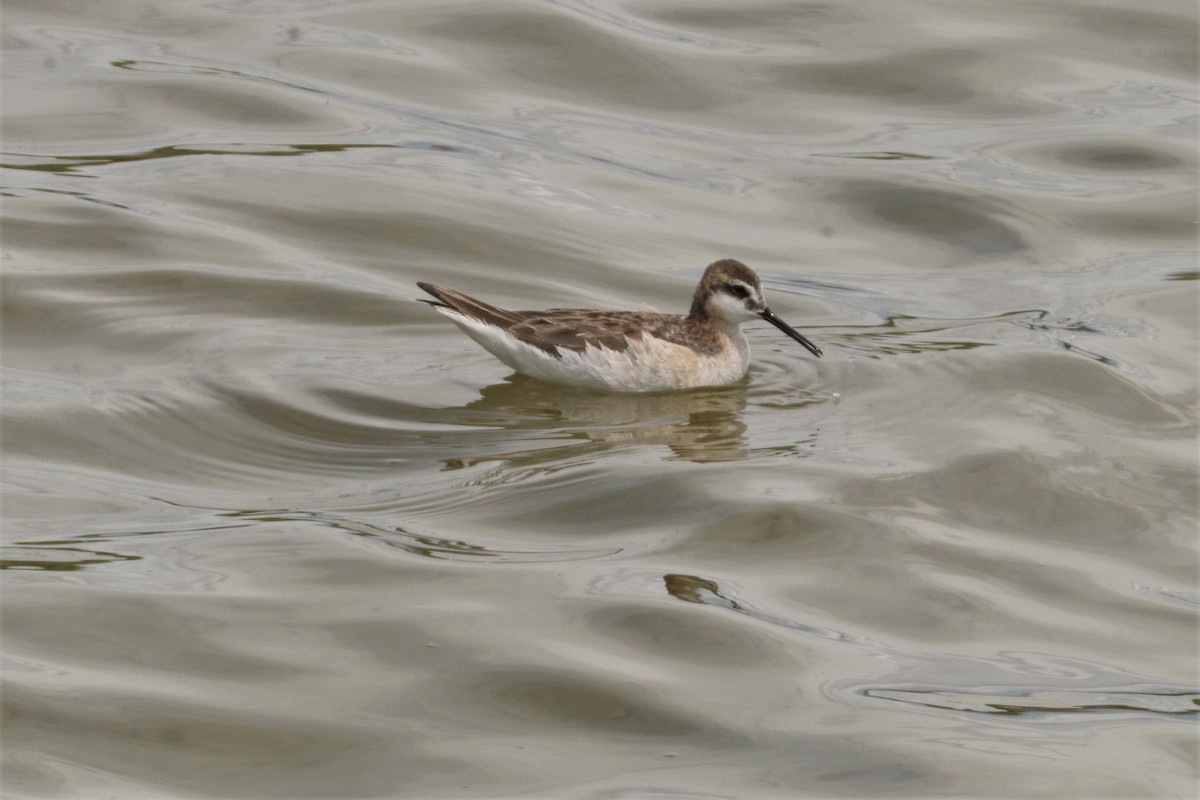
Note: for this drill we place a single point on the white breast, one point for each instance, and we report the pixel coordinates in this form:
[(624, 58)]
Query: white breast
[(646, 365)]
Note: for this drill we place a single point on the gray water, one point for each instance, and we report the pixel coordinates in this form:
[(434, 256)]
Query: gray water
[(273, 529)]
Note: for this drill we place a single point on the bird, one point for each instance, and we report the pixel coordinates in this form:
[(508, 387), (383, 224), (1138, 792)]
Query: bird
[(626, 351)]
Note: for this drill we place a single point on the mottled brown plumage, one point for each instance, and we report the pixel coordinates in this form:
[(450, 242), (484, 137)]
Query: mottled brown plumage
[(577, 328), (708, 345)]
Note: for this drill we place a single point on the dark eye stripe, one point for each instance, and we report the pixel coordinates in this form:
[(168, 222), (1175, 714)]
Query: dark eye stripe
[(739, 291)]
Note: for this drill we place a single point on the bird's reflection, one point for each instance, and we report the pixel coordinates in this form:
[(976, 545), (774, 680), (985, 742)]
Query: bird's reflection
[(699, 425)]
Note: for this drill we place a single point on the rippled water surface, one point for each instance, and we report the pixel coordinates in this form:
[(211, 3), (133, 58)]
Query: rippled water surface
[(275, 530)]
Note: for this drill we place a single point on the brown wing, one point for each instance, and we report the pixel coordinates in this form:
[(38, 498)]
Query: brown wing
[(476, 309), (575, 329), (567, 328)]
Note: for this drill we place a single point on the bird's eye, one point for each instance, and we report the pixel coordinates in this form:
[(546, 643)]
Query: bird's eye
[(739, 291)]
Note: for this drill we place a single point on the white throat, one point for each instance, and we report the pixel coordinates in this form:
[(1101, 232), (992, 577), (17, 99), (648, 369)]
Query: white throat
[(733, 310)]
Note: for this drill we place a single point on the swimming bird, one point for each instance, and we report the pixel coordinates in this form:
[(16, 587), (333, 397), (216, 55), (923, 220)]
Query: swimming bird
[(626, 351)]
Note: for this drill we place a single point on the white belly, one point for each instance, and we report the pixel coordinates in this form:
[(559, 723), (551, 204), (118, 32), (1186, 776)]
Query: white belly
[(646, 365)]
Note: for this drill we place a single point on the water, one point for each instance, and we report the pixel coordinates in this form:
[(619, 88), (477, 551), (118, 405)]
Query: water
[(275, 530)]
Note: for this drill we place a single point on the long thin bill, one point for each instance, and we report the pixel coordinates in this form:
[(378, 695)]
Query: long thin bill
[(770, 317)]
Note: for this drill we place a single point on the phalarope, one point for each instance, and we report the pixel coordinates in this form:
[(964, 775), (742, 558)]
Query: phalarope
[(626, 351)]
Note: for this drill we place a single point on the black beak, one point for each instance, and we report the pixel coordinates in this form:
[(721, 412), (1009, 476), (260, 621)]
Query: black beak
[(770, 317)]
